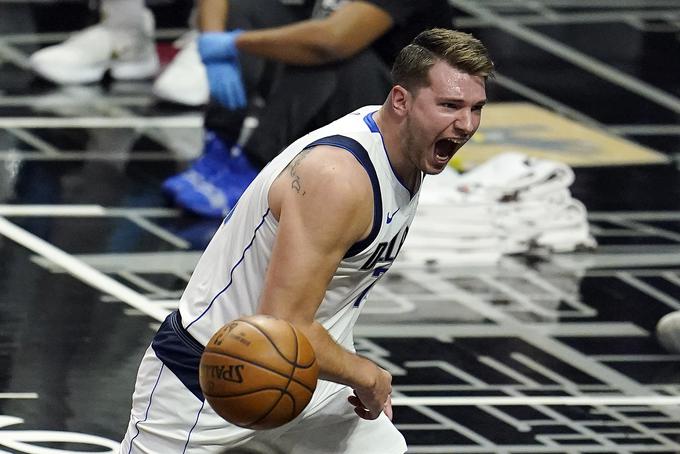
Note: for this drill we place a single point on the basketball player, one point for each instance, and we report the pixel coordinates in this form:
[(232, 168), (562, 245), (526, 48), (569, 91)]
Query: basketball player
[(307, 241)]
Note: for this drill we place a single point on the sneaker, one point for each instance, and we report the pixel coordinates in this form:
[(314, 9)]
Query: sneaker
[(87, 55), (243, 170), (215, 196), (184, 81), (215, 158), (203, 198), (134, 52)]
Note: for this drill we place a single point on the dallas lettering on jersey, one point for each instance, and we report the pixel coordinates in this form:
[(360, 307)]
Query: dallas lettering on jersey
[(385, 252)]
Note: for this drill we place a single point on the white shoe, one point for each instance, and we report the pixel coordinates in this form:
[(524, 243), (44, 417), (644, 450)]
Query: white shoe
[(88, 54), (184, 81), (134, 52)]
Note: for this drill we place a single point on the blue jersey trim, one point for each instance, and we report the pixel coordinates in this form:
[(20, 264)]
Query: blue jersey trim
[(373, 126), (231, 273), (360, 153), (178, 350), (193, 427), (148, 407)]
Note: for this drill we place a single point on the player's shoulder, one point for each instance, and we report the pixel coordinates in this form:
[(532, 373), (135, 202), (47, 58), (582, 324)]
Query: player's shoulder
[(356, 132), (333, 168), (324, 182), (337, 155)]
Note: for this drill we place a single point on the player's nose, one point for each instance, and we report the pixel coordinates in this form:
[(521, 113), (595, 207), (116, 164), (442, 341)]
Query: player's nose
[(463, 124)]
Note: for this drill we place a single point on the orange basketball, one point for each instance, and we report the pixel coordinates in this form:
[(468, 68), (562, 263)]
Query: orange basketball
[(258, 372)]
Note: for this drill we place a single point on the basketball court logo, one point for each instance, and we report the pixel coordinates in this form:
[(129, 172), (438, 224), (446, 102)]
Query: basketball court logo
[(529, 129)]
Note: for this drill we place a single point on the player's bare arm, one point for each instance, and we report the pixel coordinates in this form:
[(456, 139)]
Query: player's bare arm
[(292, 170), (345, 32), (324, 204)]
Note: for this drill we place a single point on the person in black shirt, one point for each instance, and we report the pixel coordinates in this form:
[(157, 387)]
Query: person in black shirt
[(294, 65)]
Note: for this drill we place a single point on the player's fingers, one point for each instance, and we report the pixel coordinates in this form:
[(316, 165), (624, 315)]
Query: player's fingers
[(388, 407), (360, 409), (365, 414), (372, 414), (354, 400)]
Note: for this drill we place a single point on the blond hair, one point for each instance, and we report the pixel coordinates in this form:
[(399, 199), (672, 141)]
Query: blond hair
[(460, 50)]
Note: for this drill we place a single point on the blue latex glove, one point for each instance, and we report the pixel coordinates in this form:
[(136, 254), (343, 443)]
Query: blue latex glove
[(218, 46), (226, 85)]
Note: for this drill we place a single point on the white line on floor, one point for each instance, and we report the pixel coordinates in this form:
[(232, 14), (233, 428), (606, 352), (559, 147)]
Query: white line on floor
[(85, 211), (80, 270), (536, 400), (183, 121), (18, 395)]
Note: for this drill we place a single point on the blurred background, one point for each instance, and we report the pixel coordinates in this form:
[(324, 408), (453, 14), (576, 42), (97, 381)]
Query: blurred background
[(539, 265)]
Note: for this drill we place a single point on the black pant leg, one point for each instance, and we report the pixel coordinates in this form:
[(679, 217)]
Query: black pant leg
[(298, 95)]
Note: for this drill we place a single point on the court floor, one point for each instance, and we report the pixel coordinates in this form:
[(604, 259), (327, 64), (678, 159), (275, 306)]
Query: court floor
[(539, 352)]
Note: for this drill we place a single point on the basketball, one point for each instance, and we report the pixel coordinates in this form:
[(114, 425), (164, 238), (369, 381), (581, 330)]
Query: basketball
[(668, 332), (258, 372)]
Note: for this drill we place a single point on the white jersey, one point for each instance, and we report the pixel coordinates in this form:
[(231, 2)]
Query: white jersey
[(227, 283), (229, 278)]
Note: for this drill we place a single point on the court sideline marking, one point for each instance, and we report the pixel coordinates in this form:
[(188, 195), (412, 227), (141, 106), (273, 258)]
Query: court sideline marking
[(81, 271), (18, 395), (450, 401), (104, 283)]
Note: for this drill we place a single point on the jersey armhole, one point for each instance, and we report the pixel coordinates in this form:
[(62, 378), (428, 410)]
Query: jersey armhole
[(361, 155)]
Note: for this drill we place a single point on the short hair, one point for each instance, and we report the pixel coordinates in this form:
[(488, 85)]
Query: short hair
[(460, 50)]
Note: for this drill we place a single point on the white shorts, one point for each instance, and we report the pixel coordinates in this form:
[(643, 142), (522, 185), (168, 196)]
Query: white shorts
[(167, 418)]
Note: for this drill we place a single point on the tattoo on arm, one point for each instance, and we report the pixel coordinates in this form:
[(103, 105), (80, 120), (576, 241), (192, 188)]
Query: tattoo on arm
[(296, 184)]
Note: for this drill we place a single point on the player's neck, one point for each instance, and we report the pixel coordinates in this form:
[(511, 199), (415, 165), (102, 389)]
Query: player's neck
[(391, 127)]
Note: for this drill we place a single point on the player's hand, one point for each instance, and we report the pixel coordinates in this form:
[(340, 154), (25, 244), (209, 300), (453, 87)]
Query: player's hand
[(218, 46), (371, 401), (226, 85)]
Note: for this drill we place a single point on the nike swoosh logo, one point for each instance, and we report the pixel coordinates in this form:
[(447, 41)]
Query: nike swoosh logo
[(389, 218)]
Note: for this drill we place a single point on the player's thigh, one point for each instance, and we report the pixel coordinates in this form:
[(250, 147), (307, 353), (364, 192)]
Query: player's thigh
[(337, 429), (359, 436), (167, 417)]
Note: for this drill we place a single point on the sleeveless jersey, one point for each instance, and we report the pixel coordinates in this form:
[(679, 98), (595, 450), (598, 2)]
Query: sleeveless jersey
[(229, 277)]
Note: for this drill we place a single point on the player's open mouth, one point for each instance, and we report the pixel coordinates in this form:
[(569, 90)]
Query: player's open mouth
[(444, 149)]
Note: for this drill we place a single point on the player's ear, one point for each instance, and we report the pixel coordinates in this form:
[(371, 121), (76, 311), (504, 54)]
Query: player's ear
[(400, 98)]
